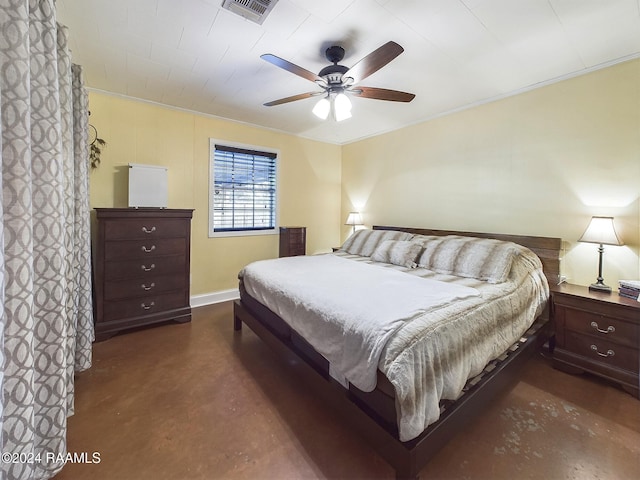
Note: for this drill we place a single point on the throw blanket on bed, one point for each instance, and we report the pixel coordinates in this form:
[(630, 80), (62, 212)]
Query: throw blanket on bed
[(346, 310), (431, 358)]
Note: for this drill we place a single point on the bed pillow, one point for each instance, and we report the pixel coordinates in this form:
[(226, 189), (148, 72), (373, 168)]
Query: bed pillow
[(364, 242), (482, 258), (424, 240), (398, 252)]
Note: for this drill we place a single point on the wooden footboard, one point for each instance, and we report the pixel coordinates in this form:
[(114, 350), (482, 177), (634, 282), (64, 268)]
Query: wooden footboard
[(407, 458)]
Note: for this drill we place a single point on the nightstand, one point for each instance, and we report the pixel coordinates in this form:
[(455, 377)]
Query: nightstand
[(598, 333)]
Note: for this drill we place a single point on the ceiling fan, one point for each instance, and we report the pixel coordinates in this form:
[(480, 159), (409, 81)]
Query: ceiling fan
[(337, 80)]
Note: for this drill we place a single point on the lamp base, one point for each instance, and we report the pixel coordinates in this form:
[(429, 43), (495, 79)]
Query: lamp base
[(600, 287)]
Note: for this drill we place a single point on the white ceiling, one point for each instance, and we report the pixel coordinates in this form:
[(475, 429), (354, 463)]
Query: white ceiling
[(194, 55)]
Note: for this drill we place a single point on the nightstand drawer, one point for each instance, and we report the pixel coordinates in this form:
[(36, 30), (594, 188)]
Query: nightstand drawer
[(602, 327), (609, 305), (598, 350)]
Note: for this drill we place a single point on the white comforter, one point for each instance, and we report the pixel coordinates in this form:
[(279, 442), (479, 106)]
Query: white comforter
[(346, 310), (426, 338)]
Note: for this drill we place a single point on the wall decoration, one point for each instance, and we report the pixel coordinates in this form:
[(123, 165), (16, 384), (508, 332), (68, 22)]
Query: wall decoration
[(96, 144)]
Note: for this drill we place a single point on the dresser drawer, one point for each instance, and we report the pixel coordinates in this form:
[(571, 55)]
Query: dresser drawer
[(140, 287), (145, 267), (136, 307), (295, 244), (600, 326), (144, 249), (145, 228), (602, 351), (296, 235)]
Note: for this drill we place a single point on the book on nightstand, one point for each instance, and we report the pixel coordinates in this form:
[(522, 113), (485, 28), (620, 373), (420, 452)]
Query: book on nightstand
[(629, 289)]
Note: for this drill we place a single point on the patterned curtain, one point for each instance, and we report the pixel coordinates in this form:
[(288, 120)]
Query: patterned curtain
[(46, 322)]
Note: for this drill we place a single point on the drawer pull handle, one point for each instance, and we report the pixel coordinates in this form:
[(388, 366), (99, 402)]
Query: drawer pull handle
[(610, 353), (147, 307), (148, 250), (148, 269), (146, 230), (144, 287), (610, 328)]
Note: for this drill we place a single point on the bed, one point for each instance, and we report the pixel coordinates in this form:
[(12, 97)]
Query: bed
[(426, 362)]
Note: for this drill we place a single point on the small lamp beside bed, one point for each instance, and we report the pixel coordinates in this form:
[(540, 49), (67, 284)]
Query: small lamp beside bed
[(354, 219), (601, 231)]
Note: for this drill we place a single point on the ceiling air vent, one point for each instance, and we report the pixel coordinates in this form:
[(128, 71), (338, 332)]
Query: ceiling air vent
[(254, 10)]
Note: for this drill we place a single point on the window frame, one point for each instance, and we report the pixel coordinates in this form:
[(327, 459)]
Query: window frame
[(241, 233)]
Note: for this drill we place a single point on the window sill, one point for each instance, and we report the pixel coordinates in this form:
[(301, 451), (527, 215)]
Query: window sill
[(244, 233)]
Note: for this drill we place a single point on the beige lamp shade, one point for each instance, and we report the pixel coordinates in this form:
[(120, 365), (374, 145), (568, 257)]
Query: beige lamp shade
[(602, 231), (354, 219)]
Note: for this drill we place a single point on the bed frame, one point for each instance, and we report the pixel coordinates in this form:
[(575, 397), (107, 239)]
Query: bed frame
[(372, 415)]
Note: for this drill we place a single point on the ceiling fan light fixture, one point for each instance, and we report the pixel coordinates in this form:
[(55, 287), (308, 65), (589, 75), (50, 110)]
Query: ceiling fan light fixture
[(321, 110), (336, 80), (341, 107)]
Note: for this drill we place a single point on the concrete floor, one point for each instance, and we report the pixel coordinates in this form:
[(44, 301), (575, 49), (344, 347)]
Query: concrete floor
[(196, 401)]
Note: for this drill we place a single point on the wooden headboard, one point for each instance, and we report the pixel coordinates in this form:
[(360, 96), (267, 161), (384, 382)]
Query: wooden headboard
[(547, 248)]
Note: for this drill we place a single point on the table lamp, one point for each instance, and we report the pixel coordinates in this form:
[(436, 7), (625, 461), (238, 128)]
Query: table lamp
[(602, 232), (354, 219)]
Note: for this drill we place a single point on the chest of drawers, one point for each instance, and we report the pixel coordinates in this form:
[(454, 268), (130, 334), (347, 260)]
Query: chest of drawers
[(597, 332), (142, 268), (293, 241)]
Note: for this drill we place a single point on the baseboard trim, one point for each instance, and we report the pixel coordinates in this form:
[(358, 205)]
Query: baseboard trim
[(214, 297)]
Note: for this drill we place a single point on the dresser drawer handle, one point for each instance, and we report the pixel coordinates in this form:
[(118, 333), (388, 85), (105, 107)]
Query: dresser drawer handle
[(148, 269), (147, 288), (148, 250), (610, 328), (147, 307), (146, 230), (610, 353)]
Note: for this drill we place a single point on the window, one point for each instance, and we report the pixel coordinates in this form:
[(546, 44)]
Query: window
[(242, 191)]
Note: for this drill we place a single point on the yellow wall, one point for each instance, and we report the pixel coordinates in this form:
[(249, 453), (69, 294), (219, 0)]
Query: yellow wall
[(539, 163), (137, 132)]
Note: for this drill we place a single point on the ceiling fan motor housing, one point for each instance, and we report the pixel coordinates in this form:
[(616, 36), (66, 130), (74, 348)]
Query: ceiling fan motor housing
[(334, 54), (333, 73)]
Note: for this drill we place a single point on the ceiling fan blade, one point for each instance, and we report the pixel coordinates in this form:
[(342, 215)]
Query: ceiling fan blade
[(293, 98), (293, 68), (374, 61), (382, 94)]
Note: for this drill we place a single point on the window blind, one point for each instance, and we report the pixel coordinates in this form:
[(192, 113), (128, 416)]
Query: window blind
[(244, 196)]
